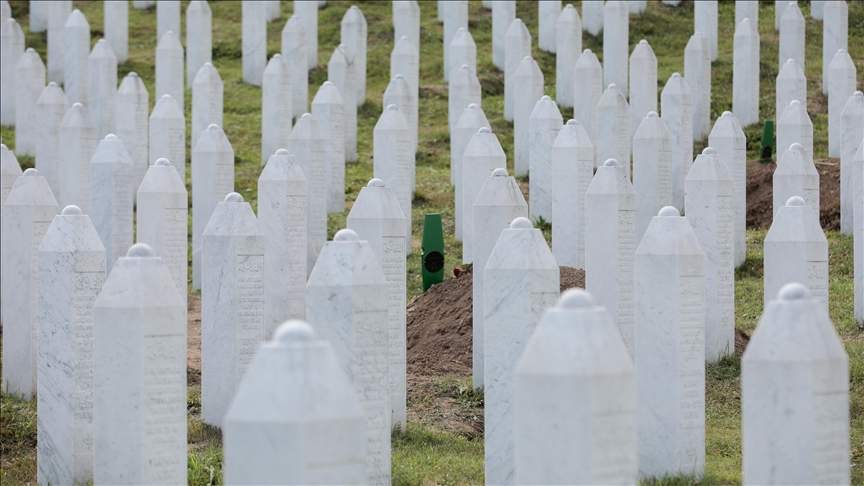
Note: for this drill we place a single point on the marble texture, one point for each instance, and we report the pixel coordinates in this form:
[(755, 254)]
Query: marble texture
[(207, 101), (792, 34), (503, 14), (112, 197), (346, 304), (295, 419), (745, 73), (199, 39), (77, 137), (499, 202), (616, 38), (50, 109), (393, 160), (406, 21), (676, 107), (11, 50), (592, 16), (547, 15), (588, 82), (543, 126), (398, 92), (520, 282), (795, 395), (294, 56), (568, 48), (795, 175), (697, 72), (728, 139), (10, 170), (528, 82), (58, 12), (575, 356), (254, 41), (669, 297), (340, 73), (276, 97), (463, 89), (705, 17), (132, 122), (790, 84), (462, 50), (307, 146), (353, 31), (796, 250), (471, 120), (167, 17), (24, 218), (517, 45), (852, 121), (613, 129), (102, 86), (168, 134), (29, 83), (747, 9), (835, 35), (329, 109), (794, 126), (71, 269), (139, 358), (858, 238), (842, 81), (169, 68), (232, 302), (76, 40), (307, 13), (482, 156), (377, 218), (405, 61), (643, 83), (455, 17), (212, 179), (652, 170), (572, 170)]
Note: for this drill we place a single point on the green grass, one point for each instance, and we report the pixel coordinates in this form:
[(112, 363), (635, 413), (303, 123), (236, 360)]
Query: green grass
[(421, 454)]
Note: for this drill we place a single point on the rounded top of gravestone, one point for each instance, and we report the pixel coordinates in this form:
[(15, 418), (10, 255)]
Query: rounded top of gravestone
[(102, 49), (31, 172), (234, 197), (140, 250), (132, 74), (794, 291), (293, 331), (709, 151), (795, 201), (213, 126), (282, 152), (796, 147), (77, 19), (652, 114), (667, 211), (675, 75), (795, 103), (521, 223), (643, 42), (575, 299), (3, 146), (499, 172), (30, 50), (473, 106), (71, 210), (572, 122), (545, 98), (484, 130), (162, 161), (375, 182), (610, 163), (111, 137), (169, 40), (392, 107), (346, 235), (587, 51)]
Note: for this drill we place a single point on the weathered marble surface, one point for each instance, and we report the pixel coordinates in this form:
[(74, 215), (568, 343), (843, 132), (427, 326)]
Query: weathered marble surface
[(543, 126), (572, 169), (588, 82), (168, 134), (652, 169), (745, 72), (794, 126), (463, 89), (858, 238), (132, 122), (791, 84), (207, 100), (10, 170), (528, 82), (517, 42), (592, 16), (850, 172), (842, 81), (102, 86), (254, 41), (339, 71), (393, 158), (792, 34), (294, 56), (199, 38), (616, 38), (613, 129), (462, 50), (697, 72), (795, 175), (50, 109), (676, 108), (482, 156), (471, 120), (405, 61), (307, 12), (728, 139), (307, 146), (503, 14), (11, 50), (167, 17), (705, 21), (329, 109), (77, 137), (276, 97), (835, 34), (568, 48), (76, 47), (112, 197), (58, 12), (547, 15), (29, 83), (170, 67), (406, 21), (643, 83), (455, 17)]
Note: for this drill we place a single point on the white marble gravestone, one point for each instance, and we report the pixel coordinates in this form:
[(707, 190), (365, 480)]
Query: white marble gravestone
[(77, 137), (462, 50), (212, 179), (499, 202), (37, 11), (791, 84), (482, 156), (462, 90), (199, 38), (307, 13), (294, 59), (405, 62), (613, 128), (852, 122), (168, 134), (340, 73), (346, 304), (517, 45), (572, 170), (116, 28), (167, 17), (455, 13), (26, 215), (795, 395), (329, 109), (207, 100), (697, 72), (835, 35), (254, 41), (858, 238), (276, 97), (71, 263), (50, 109), (669, 291), (592, 16), (543, 126), (353, 31), (728, 139), (29, 83), (406, 21), (10, 170), (169, 68), (547, 15), (272, 9), (796, 250), (842, 81), (393, 160), (520, 282), (296, 418), (528, 82), (282, 198), (792, 34), (817, 8), (795, 175), (705, 21), (503, 14), (232, 302), (112, 196), (11, 50), (643, 83), (745, 73), (132, 122), (568, 48), (307, 146), (652, 169), (377, 218), (794, 126), (58, 12), (139, 358), (76, 40), (575, 356), (588, 82), (748, 9), (610, 240), (162, 218), (616, 35), (399, 93), (471, 120), (710, 209), (677, 112), (102, 86)]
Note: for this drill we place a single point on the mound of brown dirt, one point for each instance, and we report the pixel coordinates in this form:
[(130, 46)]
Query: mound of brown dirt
[(439, 324), (759, 196)]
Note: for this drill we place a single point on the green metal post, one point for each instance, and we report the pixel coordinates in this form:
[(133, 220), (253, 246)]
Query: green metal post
[(767, 141), (432, 251)]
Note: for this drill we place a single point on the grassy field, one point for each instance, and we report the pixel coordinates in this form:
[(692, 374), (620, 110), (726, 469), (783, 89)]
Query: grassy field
[(422, 454)]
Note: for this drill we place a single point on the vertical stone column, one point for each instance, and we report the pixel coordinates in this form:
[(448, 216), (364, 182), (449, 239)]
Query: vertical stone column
[(398, 92), (588, 82), (791, 84), (167, 17), (462, 51), (616, 38), (10, 170), (613, 128), (207, 100), (340, 73), (471, 120), (199, 38), (547, 14), (76, 40), (50, 109), (572, 169), (643, 83), (58, 12), (132, 123), (254, 41), (795, 127), (455, 16), (11, 50), (294, 56), (329, 109), (463, 89), (592, 16), (276, 109), (792, 34), (745, 73), (858, 237), (406, 21), (482, 156), (747, 9), (728, 139), (112, 197), (393, 159), (77, 142), (307, 146), (169, 68), (503, 14), (842, 80), (652, 170), (852, 122), (102, 86), (29, 83), (705, 21), (835, 34), (697, 72), (116, 28), (543, 126), (168, 134), (517, 45), (405, 61), (353, 31), (795, 175), (677, 112), (307, 12), (528, 82), (568, 48)]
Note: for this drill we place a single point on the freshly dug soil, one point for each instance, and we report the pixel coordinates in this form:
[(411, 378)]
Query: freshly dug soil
[(759, 193), (439, 324)]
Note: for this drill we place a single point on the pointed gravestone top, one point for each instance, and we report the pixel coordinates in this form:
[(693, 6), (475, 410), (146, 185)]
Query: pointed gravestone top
[(169, 40), (31, 189), (160, 180), (71, 231), (328, 93)]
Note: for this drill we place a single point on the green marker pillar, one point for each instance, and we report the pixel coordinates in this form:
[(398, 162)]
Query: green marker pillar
[(767, 141), (432, 251)]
